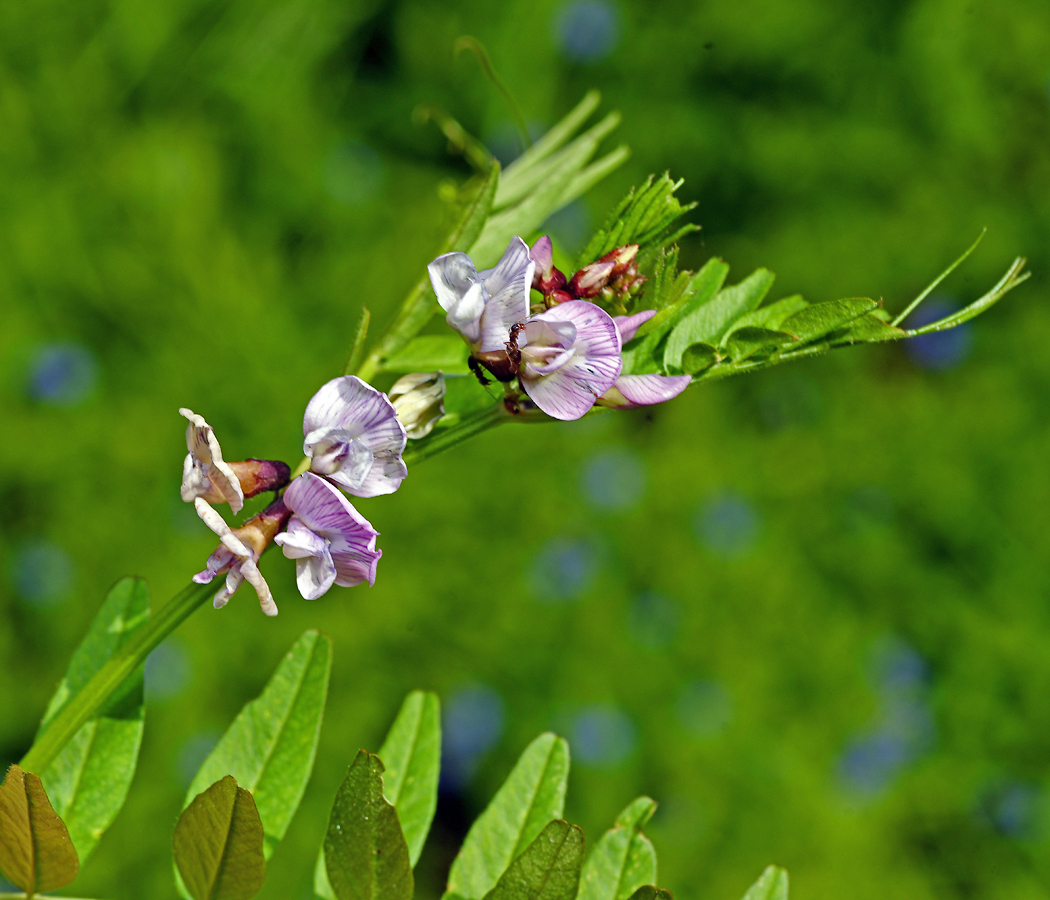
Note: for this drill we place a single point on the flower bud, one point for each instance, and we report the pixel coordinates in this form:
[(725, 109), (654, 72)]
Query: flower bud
[(417, 398), (546, 278), (257, 476), (589, 281)]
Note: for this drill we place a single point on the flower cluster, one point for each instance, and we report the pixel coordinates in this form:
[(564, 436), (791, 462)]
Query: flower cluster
[(565, 353), (353, 438)]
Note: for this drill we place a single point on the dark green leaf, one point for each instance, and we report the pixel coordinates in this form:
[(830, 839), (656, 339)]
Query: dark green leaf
[(771, 316), (745, 342), (708, 322), (36, 853), (819, 319), (411, 754), (698, 357), (771, 885), (532, 795), (366, 855), (89, 779), (431, 353), (624, 858), (648, 892), (548, 869), (270, 746), (870, 329), (219, 844)]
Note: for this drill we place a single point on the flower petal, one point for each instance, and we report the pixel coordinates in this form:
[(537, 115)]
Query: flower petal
[(628, 325), (460, 293), (354, 568), (333, 451), (246, 569), (644, 390), (366, 414), (299, 541), (205, 468), (314, 575), (542, 253), (507, 286)]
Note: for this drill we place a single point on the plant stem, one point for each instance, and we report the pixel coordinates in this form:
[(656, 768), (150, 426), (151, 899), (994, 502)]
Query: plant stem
[(455, 434), (95, 694)]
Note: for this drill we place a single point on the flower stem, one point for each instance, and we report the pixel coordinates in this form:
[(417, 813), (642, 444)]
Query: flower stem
[(96, 693), (447, 438)]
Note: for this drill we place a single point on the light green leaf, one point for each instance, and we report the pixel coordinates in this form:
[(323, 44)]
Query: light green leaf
[(36, 853), (698, 357), (474, 217), (708, 322), (745, 342), (649, 892), (365, 851), (771, 316), (771, 885), (624, 859), (411, 754), (430, 353), (1007, 283), (219, 844), (819, 319), (357, 349), (89, 780), (532, 795), (870, 329), (270, 746), (594, 173), (548, 869)]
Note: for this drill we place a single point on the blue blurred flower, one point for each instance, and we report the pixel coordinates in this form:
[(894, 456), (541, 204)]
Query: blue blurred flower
[(62, 374), (602, 736), (563, 570), (1016, 809), (472, 725), (586, 30), (703, 708), (614, 479), (354, 173), (167, 671), (940, 349), (727, 525), (653, 619), (41, 573), (869, 763), (898, 667)]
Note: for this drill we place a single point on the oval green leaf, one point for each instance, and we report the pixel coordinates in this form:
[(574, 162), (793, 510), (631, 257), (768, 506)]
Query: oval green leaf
[(771, 885), (624, 859), (270, 746), (219, 844), (411, 754), (36, 853), (365, 852), (821, 318), (89, 780), (548, 869), (532, 795)]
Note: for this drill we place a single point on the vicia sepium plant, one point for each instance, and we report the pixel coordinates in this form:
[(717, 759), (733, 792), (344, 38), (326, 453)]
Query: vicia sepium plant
[(531, 336)]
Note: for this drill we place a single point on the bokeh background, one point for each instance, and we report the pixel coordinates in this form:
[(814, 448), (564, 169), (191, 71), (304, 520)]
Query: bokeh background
[(808, 611)]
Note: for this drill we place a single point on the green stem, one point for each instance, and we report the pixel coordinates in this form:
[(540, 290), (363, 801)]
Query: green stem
[(93, 697), (447, 438)]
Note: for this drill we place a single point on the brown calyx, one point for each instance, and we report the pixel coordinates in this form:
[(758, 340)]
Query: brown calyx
[(259, 475)]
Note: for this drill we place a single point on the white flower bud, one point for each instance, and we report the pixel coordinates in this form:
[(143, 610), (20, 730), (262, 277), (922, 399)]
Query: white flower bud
[(418, 400)]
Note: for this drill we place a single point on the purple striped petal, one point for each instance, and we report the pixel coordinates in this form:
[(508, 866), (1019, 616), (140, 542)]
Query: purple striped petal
[(644, 390), (628, 325), (507, 286)]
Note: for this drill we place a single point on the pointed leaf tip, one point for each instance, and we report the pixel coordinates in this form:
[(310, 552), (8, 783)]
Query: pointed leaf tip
[(771, 885), (548, 869), (36, 853), (218, 844)]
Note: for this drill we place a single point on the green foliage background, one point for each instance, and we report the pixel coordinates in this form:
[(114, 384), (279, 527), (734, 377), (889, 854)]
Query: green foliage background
[(204, 193)]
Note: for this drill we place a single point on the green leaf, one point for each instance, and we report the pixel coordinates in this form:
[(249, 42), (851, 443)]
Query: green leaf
[(698, 357), (1007, 283), (473, 220), (556, 175), (870, 329), (89, 779), (219, 844), (708, 322), (595, 172), (430, 353), (357, 350), (270, 746), (745, 342), (36, 853), (675, 296), (532, 795), (771, 316), (771, 885), (411, 754), (819, 319), (365, 851), (649, 892), (624, 859), (548, 869)]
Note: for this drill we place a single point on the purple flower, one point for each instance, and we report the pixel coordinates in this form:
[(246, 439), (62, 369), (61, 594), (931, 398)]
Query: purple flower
[(354, 438), (570, 356), (482, 306), (641, 390), (330, 541)]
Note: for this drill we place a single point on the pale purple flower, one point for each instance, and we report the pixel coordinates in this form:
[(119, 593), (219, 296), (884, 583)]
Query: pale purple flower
[(330, 541), (482, 306), (570, 356), (641, 390), (204, 473), (354, 438), (238, 554)]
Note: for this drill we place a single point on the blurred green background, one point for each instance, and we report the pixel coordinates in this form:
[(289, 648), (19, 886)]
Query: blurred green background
[(808, 611)]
